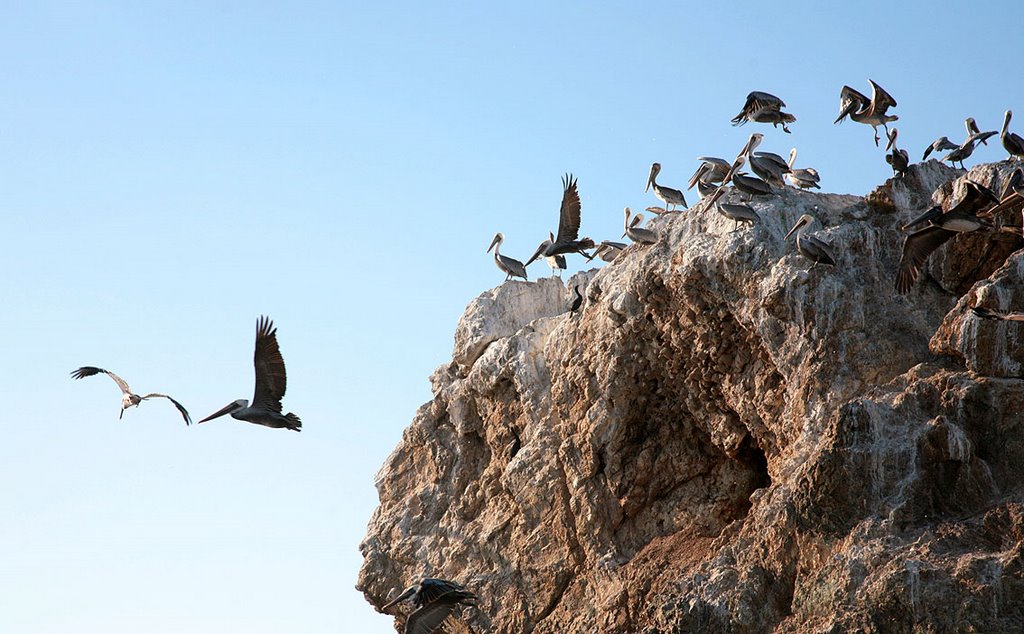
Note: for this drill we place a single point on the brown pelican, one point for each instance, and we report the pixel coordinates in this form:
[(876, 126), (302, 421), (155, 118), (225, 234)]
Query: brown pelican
[(770, 167), (750, 185), (809, 246), (556, 262), (569, 223), (737, 213), (898, 159), (864, 110), (961, 153), (985, 313), (712, 170), (974, 131), (271, 383), (128, 398), (962, 218), (939, 145), (1012, 142), (1012, 195), (670, 196), (706, 189), (434, 600), (638, 234), (510, 266), (762, 107), (804, 178), (576, 303), (748, 148), (607, 250)]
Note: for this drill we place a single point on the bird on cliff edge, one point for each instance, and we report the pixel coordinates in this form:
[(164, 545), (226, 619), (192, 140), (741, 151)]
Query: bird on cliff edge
[(434, 599), (271, 383), (810, 247), (128, 398), (668, 195), (569, 223), (511, 267)]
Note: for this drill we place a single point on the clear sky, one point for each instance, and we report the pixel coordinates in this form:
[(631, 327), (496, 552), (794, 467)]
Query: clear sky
[(171, 171)]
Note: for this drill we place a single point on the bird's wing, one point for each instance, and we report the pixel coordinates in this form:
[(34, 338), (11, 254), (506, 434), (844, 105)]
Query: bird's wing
[(757, 102), (916, 249), (270, 376), (428, 619), (89, 370), (850, 101), (880, 100), (569, 217), (181, 408)]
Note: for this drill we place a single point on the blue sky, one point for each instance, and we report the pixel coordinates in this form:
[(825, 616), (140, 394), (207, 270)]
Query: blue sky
[(171, 171)]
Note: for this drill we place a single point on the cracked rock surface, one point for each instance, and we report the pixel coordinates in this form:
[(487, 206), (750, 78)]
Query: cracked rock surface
[(727, 439)]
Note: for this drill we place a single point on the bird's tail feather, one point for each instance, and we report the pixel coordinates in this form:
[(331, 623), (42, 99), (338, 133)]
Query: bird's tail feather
[(295, 422)]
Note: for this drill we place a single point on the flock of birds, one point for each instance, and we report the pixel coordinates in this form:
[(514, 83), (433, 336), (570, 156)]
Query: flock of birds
[(930, 230), (436, 599), (271, 383)]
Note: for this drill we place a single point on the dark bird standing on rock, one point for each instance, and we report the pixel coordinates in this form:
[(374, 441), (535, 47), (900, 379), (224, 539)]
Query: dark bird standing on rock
[(576, 303), (434, 599), (898, 159)]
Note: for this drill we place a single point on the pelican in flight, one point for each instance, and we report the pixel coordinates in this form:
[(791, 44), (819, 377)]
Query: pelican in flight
[(607, 250), (556, 262), (638, 234), (899, 159), (670, 196), (128, 398), (810, 247), (940, 144), (985, 313), (867, 111), (1012, 142), (569, 223), (270, 385), (941, 226), (434, 599), (804, 178), (510, 266), (762, 107)]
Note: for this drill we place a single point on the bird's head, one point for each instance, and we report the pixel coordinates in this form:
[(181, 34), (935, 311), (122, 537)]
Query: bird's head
[(227, 409), (408, 592), (655, 168), (498, 239)]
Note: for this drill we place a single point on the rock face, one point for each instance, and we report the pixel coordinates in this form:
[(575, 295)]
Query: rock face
[(728, 439)]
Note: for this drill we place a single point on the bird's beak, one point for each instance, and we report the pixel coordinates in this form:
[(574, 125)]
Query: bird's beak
[(927, 216), (493, 242), (402, 597), (799, 223), (230, 407), (650, 177)]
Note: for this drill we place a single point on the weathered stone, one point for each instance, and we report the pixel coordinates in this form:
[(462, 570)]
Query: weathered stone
[(727, 439)]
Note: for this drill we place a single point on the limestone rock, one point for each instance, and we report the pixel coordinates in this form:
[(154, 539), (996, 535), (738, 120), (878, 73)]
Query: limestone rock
[(727, 438)]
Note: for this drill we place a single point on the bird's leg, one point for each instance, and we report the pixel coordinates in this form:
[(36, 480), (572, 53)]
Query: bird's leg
[(876, 135)]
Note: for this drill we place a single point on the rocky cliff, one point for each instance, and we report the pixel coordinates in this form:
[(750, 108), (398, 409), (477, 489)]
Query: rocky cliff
[(728, 439)]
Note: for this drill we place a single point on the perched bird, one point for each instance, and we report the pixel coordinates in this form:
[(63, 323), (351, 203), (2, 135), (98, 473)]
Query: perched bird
[(804, 178), (510, 266), (898, 159), (576, 303), (638, 234), (961, 153), (750, 185), (607, 250), (770, 167), (556, 262), (1012, 142), (569, 223), (706, 189), (940, 144), (128, 398), (434, 599), (941, 226), (271, 383), (669, 195), (762, 107), (737, 213), (712, 170), (868, 111), (810, 247)]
